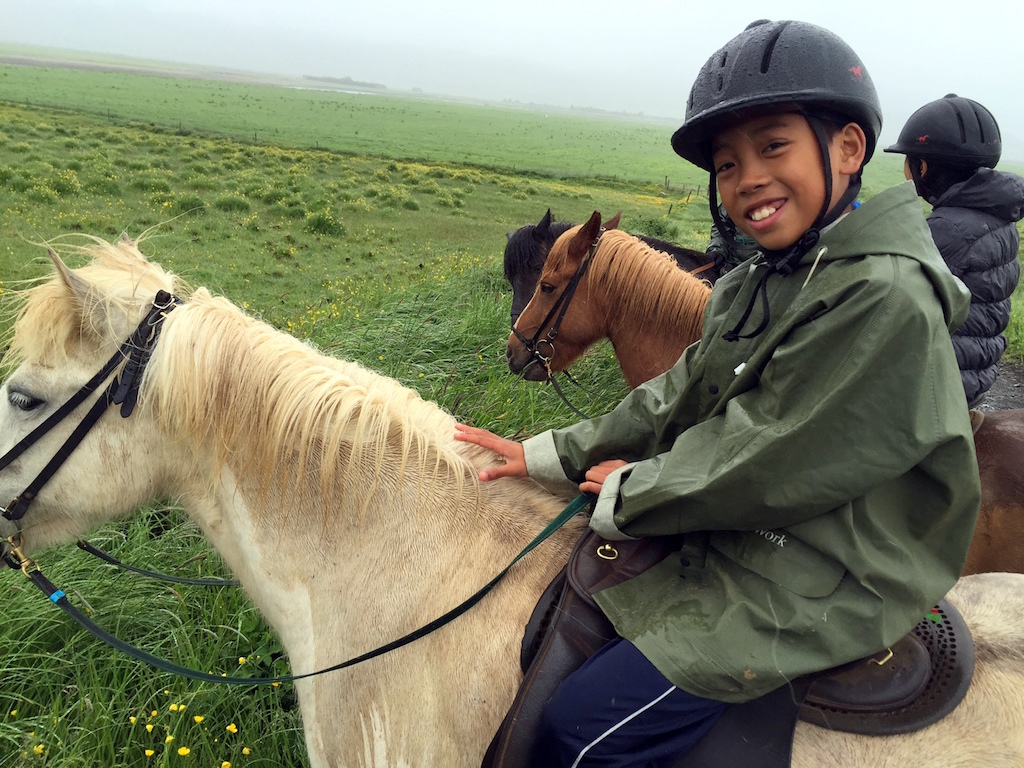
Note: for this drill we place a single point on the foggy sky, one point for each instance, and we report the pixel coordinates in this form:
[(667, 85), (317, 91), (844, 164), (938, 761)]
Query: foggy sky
[(631, 55)]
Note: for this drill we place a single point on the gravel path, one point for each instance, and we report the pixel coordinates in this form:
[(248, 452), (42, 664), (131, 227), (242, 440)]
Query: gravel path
[(1008, 391)]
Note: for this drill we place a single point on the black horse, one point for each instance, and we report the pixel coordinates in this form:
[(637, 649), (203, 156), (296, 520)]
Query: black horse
[(527, 250)]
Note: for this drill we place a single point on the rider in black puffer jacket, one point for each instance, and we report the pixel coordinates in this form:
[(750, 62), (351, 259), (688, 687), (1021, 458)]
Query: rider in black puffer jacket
[(952, 146)]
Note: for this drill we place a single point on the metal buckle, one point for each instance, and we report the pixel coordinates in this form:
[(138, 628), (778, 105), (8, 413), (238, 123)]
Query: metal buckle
[(26, 563)]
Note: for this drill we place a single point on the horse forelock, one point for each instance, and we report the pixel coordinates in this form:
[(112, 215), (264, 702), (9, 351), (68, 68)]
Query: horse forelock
[(523, 249), (275, 408), (53, 321)]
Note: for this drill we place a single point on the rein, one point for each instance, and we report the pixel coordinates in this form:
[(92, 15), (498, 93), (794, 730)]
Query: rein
[(106, 557), (17, 559), (122, 390)]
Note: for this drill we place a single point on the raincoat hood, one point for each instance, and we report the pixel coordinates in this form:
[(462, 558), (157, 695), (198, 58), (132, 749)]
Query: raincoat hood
[(880, 227)]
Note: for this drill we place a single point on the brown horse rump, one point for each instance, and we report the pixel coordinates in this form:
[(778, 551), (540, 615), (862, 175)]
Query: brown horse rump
[(917, 682)]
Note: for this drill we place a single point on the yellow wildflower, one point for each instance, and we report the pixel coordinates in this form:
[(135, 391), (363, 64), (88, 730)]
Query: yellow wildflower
[(225, 764), (169, 739), (199, 718), (38, 749), (149, 727), (232, 728), (183, 751), (173, 707), (150, 753), (132, 719), (245, 750)]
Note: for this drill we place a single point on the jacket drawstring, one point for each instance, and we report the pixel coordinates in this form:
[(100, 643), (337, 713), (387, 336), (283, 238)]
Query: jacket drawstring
[(821, 252), (762, 289)]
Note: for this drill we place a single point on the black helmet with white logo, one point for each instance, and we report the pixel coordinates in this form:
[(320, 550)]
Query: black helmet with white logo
[(778, 63), (952, 131)]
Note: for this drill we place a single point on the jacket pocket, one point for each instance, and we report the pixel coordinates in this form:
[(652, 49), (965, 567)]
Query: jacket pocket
[(781, 558)]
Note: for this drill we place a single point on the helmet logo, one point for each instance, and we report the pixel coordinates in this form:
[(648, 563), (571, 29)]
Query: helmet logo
[(857, 71), (922, 139)]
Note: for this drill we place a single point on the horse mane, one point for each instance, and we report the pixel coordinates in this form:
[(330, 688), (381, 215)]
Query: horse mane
[(649, 286), (268, 404), (291, 413), (523, 246)]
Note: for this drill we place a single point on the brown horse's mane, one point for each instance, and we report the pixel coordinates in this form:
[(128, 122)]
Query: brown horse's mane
[(650, 287)]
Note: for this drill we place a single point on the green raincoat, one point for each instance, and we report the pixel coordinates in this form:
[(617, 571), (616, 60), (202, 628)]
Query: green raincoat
[(823, 470)]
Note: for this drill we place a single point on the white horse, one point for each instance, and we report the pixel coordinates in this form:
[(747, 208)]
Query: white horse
[(351, 516)]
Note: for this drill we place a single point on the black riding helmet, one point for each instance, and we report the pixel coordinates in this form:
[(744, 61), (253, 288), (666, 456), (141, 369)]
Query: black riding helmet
[(780, 63), (952, 131)]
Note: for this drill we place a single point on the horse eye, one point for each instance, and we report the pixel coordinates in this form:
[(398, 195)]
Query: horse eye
[(546, 288), (21, 401)]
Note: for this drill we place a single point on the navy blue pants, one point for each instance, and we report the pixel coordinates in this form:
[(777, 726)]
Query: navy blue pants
[(618, 711)]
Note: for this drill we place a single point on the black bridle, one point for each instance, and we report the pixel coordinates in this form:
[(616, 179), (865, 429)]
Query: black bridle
[(545, 354), (123, 390)]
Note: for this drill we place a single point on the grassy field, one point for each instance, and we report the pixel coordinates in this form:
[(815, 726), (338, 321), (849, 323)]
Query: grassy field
[(517, 140), (371, 225)]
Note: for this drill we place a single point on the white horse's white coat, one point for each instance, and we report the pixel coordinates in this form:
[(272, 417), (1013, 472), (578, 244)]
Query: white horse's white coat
[(351, 516)]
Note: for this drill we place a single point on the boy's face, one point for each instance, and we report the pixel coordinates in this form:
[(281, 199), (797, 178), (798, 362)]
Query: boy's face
[(770, 177)]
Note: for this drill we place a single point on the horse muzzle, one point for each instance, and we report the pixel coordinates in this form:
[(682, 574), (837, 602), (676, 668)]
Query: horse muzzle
[(524, 362)]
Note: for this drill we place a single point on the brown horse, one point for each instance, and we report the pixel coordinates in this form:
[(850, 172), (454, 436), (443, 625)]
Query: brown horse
[(624, 278), (652, 311), (527, 249)]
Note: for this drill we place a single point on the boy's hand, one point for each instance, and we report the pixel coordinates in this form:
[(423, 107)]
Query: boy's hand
[(598, 473), (510, 450)]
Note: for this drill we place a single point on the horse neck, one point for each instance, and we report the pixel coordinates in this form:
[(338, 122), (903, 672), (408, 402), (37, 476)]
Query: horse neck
[(653, 309), (391, 500)]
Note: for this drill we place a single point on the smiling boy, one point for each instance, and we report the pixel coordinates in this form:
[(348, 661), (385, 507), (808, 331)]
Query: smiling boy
[(813, 446)]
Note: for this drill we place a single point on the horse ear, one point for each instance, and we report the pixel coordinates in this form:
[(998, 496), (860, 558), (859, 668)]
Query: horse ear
[(613, 222), (582, 240), (79, 288), (84, 294), (541, 230)]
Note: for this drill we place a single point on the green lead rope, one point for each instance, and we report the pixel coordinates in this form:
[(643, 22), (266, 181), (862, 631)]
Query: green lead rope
[(58, 598)]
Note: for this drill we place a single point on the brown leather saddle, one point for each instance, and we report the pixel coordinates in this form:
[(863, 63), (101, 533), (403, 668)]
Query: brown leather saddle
[(915, 683)]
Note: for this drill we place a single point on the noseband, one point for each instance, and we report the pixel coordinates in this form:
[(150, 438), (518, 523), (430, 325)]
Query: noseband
[(557, 312), (123, 390)]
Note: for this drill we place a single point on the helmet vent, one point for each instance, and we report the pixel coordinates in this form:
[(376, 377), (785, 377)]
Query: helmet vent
[(769, 48), (981, 127), (960, 125)]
